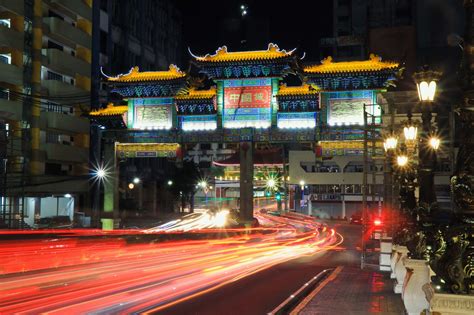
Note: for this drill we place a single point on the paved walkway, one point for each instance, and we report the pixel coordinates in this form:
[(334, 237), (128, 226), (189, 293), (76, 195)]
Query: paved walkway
[(349, 290)]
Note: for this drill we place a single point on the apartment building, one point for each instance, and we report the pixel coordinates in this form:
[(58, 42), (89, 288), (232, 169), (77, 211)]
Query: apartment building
[(45, 81)]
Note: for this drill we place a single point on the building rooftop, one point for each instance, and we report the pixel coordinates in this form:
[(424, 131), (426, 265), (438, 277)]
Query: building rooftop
[(304, 89), (197, 94), (135, 75), (222, 55), (327, 66), (110, 110)]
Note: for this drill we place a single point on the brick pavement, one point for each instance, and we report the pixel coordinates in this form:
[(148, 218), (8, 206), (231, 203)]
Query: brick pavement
[(350, 290)]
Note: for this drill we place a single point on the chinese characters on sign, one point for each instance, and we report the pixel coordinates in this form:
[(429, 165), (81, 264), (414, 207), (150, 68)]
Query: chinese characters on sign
[(247, 97), (247, 106)]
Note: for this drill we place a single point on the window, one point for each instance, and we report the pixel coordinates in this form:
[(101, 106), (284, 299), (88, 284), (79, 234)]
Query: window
[(354, 167), (4, 94), (54, 45), (103, 42), (47, 106), (47, 74), (5, 58), (56, 15), (103, 5), (52, 137), (54, 76), (5, 22), (54, 169)]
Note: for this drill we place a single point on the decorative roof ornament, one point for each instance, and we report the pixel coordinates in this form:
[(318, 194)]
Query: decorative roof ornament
[(328, 66), (134, 75), (223, 55)]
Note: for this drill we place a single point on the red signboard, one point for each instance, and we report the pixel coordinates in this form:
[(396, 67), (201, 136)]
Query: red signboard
[(248, 97)]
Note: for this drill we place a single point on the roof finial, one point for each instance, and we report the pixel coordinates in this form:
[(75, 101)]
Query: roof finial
[(327, 60), (191, 53)]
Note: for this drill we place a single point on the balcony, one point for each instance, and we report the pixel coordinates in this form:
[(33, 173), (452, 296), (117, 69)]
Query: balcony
[(60, 152), (62, 62), (77, 7), (59, 88), (14, 6), (10, 109), (65, 123), (11, 38), (11, 74), (66, 33)]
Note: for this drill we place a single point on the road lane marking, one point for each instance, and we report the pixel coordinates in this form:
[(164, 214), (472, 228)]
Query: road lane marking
[(310, 296)]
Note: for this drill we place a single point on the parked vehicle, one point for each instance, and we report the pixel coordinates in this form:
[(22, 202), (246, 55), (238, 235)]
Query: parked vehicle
[(356, 218), (56, 222)]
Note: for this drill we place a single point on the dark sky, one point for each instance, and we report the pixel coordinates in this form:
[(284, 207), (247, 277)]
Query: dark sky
[(291, 23)]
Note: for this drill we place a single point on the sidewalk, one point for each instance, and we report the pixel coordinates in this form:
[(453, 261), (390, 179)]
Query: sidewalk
[(349, 290)]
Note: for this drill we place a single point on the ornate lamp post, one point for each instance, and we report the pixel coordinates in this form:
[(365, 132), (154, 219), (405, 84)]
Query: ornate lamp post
[(426, 84)]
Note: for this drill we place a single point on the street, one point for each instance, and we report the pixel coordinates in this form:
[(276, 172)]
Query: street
[(262, 292), (84, 271)]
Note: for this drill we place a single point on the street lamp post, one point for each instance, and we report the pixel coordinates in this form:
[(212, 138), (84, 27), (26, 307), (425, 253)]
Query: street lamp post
[(426, 83), (390, 145), (99, 175), (302, 184)]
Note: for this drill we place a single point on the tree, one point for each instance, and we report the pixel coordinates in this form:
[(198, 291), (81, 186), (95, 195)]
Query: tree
[(184, 183)]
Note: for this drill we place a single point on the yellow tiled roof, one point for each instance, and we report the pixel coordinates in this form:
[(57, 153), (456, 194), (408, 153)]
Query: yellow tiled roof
[(375, 63), (222, 55), (296, 90), (198, 94), (135, 75), (110, 110)]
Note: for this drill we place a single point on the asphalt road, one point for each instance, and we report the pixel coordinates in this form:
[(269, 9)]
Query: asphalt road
[(262, 292)]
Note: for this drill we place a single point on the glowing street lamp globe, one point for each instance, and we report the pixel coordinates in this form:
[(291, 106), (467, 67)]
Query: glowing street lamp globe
[(302, 183), (402, 160), (434, 143), (426, 84), (410, 133), (136, 180), (390, 143)]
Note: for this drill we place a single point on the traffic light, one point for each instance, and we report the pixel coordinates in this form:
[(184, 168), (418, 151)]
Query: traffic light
[(278, 196), (268, 193)]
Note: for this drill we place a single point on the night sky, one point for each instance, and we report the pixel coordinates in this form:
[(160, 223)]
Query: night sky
[(291, 24)]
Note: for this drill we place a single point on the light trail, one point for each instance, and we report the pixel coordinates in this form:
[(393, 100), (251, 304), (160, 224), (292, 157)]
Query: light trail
[(88, 271)]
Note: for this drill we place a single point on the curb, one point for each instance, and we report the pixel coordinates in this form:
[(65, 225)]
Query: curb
[(313, 293), (299, 296)]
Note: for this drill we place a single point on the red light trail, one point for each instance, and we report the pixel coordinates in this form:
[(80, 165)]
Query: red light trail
[(84, 271)]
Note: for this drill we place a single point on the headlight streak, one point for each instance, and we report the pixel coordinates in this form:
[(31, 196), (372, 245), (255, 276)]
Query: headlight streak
[(71, 274)]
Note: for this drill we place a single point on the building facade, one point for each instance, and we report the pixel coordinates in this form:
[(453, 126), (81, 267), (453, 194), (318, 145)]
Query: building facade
[(45, 86), (145, 33), (361, 27)]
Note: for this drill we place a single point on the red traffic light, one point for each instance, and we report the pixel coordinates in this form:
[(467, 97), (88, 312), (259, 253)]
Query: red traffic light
[(377, 222)]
